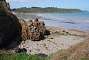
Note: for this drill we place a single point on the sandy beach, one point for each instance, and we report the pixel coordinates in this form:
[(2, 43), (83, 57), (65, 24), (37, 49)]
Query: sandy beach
[(44, 30), (59, 39)]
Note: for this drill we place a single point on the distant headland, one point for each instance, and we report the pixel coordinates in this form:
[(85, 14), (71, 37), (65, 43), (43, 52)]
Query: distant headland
[(45, 10)]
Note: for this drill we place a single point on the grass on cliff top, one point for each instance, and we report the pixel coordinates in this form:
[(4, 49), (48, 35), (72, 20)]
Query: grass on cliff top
[(21, 56)]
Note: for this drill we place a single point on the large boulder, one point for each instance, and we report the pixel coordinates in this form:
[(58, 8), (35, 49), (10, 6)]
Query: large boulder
[(10, 30)]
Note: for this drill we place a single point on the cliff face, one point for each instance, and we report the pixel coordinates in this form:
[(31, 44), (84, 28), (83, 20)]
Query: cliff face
[(10, 28), (4, 7)]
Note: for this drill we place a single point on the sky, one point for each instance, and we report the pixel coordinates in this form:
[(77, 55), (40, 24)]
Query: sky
[(78, 4)]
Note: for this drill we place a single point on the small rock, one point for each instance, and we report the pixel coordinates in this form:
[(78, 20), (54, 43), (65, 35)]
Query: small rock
[(20, 50)]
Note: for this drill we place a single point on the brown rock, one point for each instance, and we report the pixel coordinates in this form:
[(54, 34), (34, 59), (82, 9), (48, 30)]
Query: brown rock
[(24, 30), (33, 30)]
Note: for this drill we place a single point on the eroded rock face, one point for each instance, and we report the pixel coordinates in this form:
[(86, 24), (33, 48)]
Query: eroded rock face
[(34, 30), (10, 30)]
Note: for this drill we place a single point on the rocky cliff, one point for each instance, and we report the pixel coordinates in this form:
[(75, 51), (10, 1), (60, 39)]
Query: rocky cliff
[(10, 28)]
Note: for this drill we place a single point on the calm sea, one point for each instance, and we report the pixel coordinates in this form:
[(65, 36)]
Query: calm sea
[(66, 20)]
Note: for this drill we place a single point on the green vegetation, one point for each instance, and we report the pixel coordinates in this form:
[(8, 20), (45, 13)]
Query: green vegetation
[(21, 56), (46, 10)]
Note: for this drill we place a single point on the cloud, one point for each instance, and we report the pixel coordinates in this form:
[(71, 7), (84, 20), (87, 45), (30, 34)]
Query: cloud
[(8, 0), (21, 0), (31, 1)]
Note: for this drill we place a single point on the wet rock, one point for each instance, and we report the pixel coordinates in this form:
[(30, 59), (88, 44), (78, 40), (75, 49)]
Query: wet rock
[(47, 32), (21, 50)]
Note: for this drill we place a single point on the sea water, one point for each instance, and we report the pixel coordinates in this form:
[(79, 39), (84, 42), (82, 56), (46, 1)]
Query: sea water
[(78, 20)]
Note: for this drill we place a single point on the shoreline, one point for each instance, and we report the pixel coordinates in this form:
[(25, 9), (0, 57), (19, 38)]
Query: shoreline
[(72, 31), (69, 22)]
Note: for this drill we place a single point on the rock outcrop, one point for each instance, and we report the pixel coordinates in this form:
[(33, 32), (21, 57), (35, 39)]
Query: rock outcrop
[(34, 30), (10, 28)]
